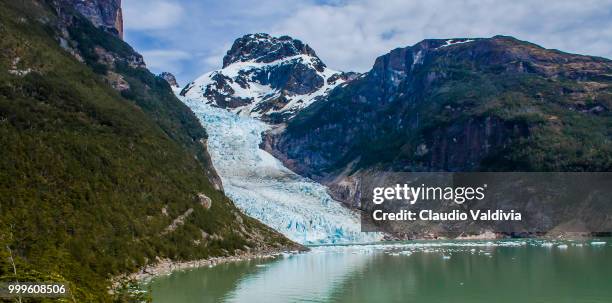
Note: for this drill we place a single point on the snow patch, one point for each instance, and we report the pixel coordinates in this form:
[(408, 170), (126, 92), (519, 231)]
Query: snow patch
[(455, 41), (417, 58)]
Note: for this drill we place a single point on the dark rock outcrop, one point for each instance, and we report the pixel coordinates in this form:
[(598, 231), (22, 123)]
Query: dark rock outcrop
[(77, 33), (264, 48), (104, 14), (169, 77)]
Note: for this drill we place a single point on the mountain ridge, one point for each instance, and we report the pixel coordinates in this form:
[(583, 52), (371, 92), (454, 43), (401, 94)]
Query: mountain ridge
[(388, 79), (267, 77), (477, 104), (264, 48)]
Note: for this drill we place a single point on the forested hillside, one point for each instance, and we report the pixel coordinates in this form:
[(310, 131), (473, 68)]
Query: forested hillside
[(99, 159)]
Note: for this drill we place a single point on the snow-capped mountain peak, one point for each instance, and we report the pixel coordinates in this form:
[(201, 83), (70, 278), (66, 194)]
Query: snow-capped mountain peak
[(264, 48), (267, 80), (266, 77)]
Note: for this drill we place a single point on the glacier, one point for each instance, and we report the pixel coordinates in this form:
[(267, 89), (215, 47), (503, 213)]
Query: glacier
[(263, 188)]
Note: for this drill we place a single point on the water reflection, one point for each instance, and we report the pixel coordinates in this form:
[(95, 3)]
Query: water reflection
[(515, 271), (314, 276)]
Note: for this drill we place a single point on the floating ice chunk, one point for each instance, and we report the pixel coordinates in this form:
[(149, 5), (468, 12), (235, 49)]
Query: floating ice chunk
[(598, 243)]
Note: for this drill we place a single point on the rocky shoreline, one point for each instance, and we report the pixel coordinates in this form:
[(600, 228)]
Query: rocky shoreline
[(165, 266)]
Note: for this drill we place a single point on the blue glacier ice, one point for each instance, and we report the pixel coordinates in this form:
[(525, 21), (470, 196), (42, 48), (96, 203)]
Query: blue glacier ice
[(263, 188)]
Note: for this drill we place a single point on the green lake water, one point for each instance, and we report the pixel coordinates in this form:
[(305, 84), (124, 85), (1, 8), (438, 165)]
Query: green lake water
[(420, 271)]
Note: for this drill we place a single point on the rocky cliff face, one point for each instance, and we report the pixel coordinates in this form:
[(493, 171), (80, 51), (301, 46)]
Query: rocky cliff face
[(105, 14), (267, 77), (456, 105), (169, 77), (78, 23), (124, 70), (263, 48)]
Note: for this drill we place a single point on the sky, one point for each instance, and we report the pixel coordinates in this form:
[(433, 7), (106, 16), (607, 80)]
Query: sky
[(190, 37)]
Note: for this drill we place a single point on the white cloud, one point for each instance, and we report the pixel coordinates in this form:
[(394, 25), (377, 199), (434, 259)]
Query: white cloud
[(161, 60), (215, 61), (350, 36), (151, 15)]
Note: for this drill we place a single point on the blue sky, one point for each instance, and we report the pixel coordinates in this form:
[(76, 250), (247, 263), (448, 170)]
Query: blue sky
[(190, 37)]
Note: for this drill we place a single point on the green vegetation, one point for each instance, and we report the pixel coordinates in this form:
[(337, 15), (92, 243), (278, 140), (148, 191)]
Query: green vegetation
[(543, 123), (90, 179)]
